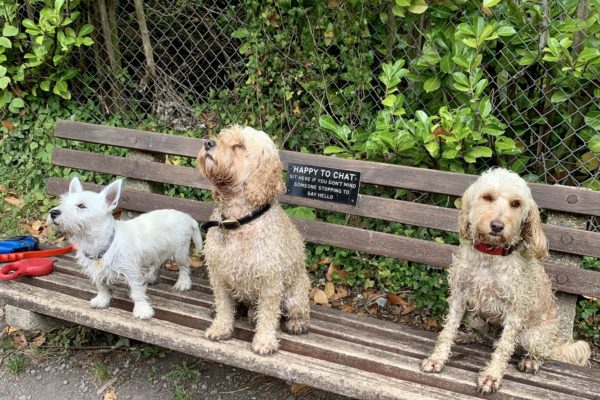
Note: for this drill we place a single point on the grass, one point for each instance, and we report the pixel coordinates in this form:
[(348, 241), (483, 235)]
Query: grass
[(16, 363), (183, 372), (101, 372), (7, 344), (181, 394)]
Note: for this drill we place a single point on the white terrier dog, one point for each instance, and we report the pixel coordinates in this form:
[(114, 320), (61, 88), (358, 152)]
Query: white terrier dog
[(134, 249)]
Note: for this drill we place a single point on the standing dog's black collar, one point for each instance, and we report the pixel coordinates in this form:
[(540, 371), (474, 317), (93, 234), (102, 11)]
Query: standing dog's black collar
[(104, 250), (232, 223)]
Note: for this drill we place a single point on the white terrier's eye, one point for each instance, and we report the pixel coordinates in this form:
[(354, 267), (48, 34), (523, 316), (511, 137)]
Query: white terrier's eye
[(487, 197), (81, 205), (515, 204)]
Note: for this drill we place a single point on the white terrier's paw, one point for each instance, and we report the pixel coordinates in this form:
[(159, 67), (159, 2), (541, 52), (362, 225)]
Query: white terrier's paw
[(529, 365), (218, 332), (143, 311), (100, 301), (183, 283), (265, 344), (432, 364), (488, 381)]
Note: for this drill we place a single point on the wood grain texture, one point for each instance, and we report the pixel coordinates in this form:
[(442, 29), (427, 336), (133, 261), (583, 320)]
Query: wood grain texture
[(319, 347), (564, 239), (559, 198), (570, 280)]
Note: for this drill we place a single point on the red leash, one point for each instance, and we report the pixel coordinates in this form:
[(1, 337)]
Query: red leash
[(30, 263), (36, 254)]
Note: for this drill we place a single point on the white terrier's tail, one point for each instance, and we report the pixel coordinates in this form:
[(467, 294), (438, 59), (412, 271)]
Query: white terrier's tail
[(196, 237), (577, 353)]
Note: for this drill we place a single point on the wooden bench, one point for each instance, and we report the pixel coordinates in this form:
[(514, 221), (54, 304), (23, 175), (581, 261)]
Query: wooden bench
[(356, 356)]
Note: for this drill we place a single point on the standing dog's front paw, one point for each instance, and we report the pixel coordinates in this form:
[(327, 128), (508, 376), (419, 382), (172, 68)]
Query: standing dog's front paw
[(100, 301), (218, 332), (432, 364), (296, 326), (488, 381), (183, 284), (265, 344), (143, 311)]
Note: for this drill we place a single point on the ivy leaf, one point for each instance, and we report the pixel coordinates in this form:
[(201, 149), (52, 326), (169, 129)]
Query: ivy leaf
[(10, 30), (327, 123), (593, 119), (240, 33), (433, 148), (403, 3), (4, 81), (559, 97), (5, 42), (418, 7), (490, 3), (485, 107), (478, 152), (389, 101), (333, 150), (16, 104), (505, 30), (29, 24), (594, 143), (86, 30), (45, 85), (432, 84)]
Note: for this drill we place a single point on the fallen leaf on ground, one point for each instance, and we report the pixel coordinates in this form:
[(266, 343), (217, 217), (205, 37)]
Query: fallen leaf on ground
[(340, 293), (10, 329), (320, 297), (332, 268), (397, 300), (19, 340), (408, 309), (8, 125), (38, 341), (38, 228), (299, 389), (329, 290), (195, 262), (14, 201), (372, 309), (347, 308), (171, 267), (110, 395), (432, 323)]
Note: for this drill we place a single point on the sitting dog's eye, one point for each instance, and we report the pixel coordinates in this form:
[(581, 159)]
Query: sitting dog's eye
[(487, 197), (515, 204), (239, 146), (81, 205)]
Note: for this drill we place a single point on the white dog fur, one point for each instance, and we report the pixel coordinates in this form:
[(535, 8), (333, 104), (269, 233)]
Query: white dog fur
[(139, 247)]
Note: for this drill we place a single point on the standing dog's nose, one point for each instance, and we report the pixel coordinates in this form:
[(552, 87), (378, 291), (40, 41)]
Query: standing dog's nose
[(497, 226), (54, 213), (209, 144)]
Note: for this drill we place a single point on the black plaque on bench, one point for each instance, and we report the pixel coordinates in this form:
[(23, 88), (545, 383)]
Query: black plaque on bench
[(321, 183)]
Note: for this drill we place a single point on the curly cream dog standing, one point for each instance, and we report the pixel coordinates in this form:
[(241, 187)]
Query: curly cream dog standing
[(260, 263), (507, 288)]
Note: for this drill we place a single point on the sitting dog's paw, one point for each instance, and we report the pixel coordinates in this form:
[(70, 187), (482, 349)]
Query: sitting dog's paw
[(488, 382), (143, 311), (218, 332), (183, 284), (296, 326), (529, 365), (100, 301), (432, 364), (265, 344)]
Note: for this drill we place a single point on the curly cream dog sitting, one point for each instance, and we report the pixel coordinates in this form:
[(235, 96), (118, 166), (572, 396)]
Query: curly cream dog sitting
[(254, 255), (496, 277)]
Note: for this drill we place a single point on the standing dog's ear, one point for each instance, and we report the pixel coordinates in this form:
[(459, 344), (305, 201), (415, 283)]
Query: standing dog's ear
[(75, 186), (464, 226), (532, 233), (266, 182), (111, 194)]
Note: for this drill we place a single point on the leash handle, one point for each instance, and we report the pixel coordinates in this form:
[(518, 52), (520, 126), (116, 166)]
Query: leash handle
[(36, 254), (30, 267)]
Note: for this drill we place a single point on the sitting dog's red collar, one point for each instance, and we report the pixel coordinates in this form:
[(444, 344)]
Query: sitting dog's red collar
[(494, 250)]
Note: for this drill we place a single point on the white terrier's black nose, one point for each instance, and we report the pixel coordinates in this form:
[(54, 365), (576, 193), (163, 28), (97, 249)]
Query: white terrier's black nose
[(497, 226), (54, 213), (209, 144)]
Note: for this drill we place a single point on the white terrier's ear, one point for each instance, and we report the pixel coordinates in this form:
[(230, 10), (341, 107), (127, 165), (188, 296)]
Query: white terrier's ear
[(111, 194), (75, 186)]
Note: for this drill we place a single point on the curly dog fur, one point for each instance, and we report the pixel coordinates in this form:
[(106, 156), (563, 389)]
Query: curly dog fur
[(511, 291), (261, 263)]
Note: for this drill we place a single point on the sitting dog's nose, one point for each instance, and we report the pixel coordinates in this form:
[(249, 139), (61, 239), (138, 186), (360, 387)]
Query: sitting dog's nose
[(209, 144), (497, 226), (54, 213)]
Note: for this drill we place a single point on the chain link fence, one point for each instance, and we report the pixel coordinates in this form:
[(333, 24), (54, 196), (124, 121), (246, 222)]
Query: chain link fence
[(193, 65)]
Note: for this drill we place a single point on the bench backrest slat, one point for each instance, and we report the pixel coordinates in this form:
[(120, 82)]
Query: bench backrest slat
[(563, 239), (559, 198), (570, 280)]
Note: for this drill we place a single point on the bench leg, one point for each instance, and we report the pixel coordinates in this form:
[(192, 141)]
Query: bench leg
[(31, 321)]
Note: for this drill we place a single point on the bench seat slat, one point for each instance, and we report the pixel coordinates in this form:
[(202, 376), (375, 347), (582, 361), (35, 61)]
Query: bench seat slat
[(570, 280), (574, 241), (560, 198), (398, 339), (323, 348)]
